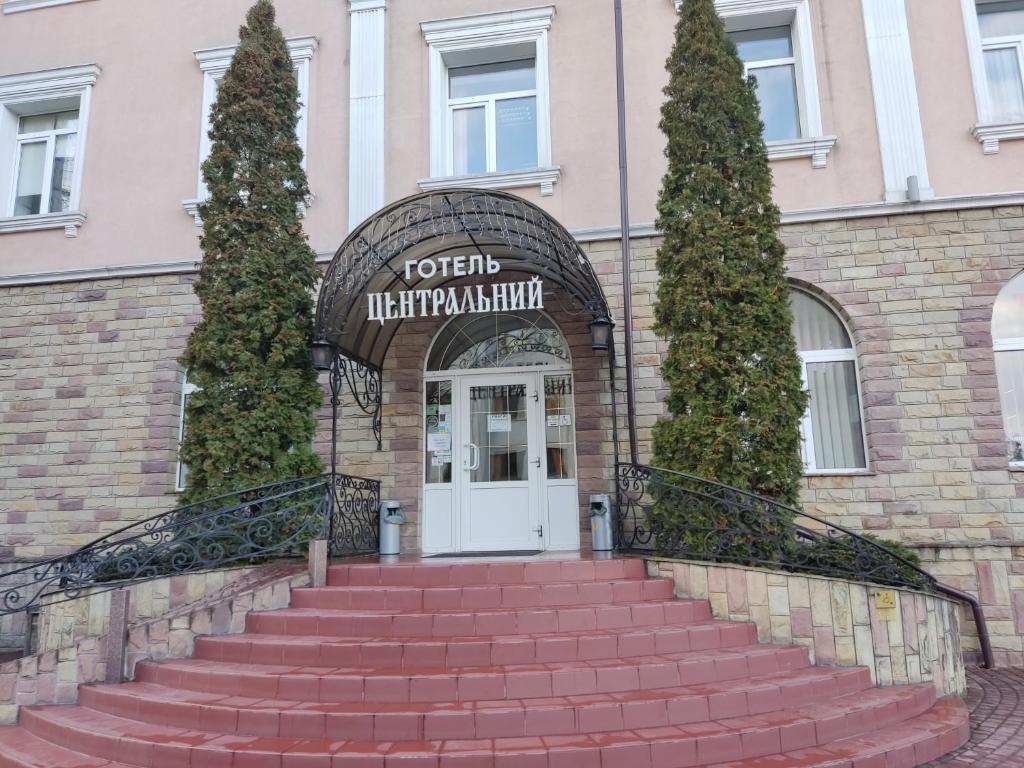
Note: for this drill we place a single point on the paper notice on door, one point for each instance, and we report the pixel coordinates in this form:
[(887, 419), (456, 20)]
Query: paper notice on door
[(440, 458), (438, 442), (499, 422), (559, 420), (553, 421)]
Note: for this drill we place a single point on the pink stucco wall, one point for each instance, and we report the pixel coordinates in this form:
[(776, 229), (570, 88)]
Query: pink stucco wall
[(142, 152)]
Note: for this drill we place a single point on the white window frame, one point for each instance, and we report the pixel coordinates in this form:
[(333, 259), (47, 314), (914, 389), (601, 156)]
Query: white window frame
[(989, 131), (49, 138), (16, 6), (187, 388), (489, 103), (743, 15), (214, 63), (806, 428), (43, 92), (480, 39)]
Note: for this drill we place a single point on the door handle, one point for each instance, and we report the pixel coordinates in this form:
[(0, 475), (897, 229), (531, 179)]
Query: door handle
[(474, 462), (536, 462)]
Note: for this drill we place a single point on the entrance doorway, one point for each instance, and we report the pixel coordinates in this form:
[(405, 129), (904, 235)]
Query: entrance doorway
[(499, 432)]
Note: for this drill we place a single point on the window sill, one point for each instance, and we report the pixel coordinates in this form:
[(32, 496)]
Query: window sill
[(68, 221), (839, 473), (15, 6), (544, 178), (817, 148), (1016, 466), (990, 134)]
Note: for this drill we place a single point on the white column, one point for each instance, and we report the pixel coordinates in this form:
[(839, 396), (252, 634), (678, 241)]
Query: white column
[(366, 109), (896, 107)]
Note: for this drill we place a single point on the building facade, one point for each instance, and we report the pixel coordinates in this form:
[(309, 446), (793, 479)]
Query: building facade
[(896, 136)]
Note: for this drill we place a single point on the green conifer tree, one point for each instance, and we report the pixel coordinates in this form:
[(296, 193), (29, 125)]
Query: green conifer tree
[(735, 395), (251, 420)]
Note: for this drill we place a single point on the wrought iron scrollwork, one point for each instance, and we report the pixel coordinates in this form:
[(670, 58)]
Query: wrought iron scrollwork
[(364, 382), (355, 517), (692, 518), (246, 527)]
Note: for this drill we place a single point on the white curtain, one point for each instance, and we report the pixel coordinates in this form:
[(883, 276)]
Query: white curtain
[(1010, 375), (835, 415), (1003, 69)]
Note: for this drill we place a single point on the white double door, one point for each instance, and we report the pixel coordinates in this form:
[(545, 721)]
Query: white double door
[(512, 477)]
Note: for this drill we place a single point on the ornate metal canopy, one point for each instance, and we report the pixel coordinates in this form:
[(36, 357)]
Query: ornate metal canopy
[(456, 222)]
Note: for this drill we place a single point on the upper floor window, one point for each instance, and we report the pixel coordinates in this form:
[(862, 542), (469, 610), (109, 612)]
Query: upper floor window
[(214, 63), (493, 116), (773, 39), (45, 163), (832, 427), (768, 57), (1008, 346), (1001, 26), (489, 116), (43, 118)]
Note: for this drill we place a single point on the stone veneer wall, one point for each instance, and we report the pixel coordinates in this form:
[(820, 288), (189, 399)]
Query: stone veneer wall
[(838, 621), (165, 617), (90, 392)]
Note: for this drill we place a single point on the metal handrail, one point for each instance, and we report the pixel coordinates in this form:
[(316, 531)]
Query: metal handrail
[(682, 515), (243, 527)]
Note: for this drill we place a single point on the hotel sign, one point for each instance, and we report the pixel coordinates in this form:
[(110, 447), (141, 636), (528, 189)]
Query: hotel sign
[(448, 302)]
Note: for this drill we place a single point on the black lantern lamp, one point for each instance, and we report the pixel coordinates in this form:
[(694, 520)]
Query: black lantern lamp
[(600, 332), (323, 355)]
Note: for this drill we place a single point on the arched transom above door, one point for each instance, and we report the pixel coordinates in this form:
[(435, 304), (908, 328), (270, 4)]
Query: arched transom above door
[(498, 340)]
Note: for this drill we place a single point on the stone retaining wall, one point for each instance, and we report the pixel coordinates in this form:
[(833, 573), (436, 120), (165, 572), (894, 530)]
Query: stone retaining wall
[(160, 627), (841, 623)]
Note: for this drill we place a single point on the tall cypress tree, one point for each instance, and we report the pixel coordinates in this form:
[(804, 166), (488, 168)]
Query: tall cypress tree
[(251, 421), (735, 395)]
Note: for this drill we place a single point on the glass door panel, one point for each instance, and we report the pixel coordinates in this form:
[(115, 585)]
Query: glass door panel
[(499, 430), (559, 430), (438, 425)]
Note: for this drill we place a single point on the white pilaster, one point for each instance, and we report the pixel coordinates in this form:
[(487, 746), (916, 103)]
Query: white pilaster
[(896, 107), (366, 109)]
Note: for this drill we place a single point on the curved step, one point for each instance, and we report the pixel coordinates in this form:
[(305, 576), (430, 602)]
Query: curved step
[(415, 653), (837, 730), (462, 573), (510, 621), (503, 718), (482, 597), (21, 749), (936, 732), (473, 684)]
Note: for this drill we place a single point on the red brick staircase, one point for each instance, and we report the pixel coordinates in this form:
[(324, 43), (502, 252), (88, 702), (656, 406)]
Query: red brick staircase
[(537, 664)]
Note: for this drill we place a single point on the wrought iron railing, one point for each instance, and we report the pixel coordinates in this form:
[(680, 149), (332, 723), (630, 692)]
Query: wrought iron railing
[(246, 527), (691, 518)]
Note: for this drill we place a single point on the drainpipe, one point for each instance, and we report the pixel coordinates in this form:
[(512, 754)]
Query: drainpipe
[(627, 282)]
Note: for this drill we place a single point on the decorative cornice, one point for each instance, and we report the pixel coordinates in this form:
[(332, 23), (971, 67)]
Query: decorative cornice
[(817, 148), (69, 221), (218, 59), (588, 234), (16, 6), (356, 6), (480, 25), (545, 178), (48, 83), (990, 134)]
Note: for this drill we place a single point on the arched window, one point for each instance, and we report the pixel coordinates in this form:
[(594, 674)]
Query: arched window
[(498, 340), (832, 427), (1008, 345)]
